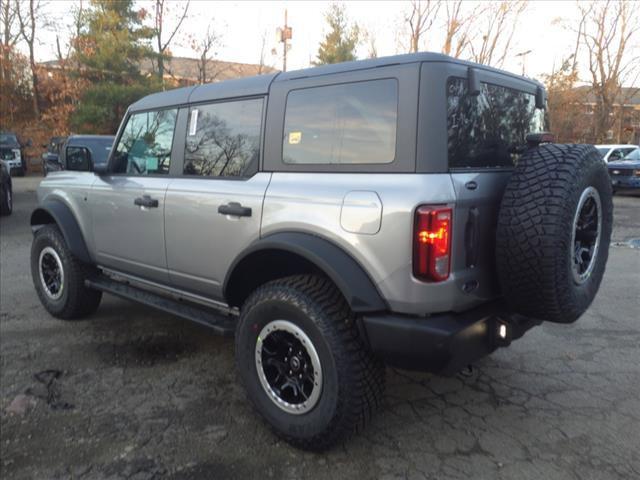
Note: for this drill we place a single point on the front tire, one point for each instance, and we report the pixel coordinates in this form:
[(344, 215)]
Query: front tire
[(6, 200), (59, 277), (304, 366)]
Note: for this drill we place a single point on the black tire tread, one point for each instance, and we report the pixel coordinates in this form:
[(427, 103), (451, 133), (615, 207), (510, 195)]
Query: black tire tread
[(5, 208), (322, 301), (532, 238), (81, 301)]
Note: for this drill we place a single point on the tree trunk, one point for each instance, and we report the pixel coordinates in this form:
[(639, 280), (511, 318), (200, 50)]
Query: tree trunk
[(161, 69), (34, 80)]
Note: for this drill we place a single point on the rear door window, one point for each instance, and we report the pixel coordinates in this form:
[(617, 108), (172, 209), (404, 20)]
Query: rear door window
[(223, 139), (350, 123), (489, 129)]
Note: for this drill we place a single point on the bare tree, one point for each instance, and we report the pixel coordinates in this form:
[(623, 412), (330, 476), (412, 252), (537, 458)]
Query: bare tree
[(420, 20), (28, 22), (160, 20), (609, 34), (458, 26), (500, 21), (205, 48), (8, 17), (9, 37), (263, 52), (370, 40)]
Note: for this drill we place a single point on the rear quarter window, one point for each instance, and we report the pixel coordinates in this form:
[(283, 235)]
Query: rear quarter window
[(489, 129), (350, 123)]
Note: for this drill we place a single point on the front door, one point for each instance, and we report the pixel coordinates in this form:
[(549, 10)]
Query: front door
[(213, 210), (128, 203)]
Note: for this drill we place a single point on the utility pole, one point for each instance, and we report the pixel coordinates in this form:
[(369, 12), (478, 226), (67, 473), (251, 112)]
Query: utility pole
[(523, 55), (282, 35)]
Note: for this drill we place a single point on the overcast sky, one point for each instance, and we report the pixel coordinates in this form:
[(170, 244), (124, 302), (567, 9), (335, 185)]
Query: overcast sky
[(241, 25)]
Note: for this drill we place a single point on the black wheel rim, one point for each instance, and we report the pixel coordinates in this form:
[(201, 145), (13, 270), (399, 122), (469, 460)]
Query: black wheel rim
[(587, 227), (288, 367), (51, 273)]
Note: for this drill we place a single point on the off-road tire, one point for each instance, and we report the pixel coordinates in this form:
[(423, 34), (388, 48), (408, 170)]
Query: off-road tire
[(353, 379), (534, 249), (77, 301), (6, 200)]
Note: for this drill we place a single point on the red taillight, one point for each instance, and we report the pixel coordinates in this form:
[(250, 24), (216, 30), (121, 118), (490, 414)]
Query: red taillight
[(432, 243)]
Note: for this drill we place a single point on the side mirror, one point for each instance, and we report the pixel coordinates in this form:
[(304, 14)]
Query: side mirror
[(540, 98), (474, 82), (101, 169)]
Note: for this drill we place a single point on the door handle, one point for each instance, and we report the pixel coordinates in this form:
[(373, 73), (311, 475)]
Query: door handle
[(235, 209), (146, 201)]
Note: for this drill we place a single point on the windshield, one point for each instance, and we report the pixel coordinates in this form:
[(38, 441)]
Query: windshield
[(602, 150), (635, 155), (8, 138)]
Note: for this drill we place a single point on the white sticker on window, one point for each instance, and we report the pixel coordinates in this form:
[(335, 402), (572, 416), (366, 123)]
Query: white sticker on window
[(193, 123)]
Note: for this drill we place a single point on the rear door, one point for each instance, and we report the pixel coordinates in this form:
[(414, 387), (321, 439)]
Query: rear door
[(486, 135), (213, 209), (128, 204)]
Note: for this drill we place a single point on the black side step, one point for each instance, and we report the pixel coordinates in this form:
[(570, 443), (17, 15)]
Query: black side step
[(220, 323)]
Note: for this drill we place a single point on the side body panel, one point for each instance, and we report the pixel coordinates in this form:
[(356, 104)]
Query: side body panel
[(130, 238), (73, 190), (202, 243), (312, 203)]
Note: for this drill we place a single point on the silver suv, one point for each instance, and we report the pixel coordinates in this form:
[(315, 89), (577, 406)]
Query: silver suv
[(408, 211)]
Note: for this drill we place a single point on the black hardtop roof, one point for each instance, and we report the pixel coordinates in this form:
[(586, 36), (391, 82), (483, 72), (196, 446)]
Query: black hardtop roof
[(80, 138), (241, 87), (259, 85), (420, 57)]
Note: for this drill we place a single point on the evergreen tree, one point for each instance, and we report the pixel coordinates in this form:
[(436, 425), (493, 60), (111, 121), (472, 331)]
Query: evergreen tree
[(110, 47), (340, 43)]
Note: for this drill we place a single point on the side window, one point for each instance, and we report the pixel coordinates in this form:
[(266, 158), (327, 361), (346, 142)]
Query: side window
[(616, 155), (350, 123), (145, 145), (490, 129), (78, 159), (223, 139)]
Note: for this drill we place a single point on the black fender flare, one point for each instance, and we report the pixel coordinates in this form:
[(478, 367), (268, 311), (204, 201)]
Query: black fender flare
[(346, 273), (67, 223)]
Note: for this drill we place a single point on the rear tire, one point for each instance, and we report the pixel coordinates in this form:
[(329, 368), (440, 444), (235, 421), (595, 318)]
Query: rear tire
[(6, 200), (554, 230), (59, 277), (308, 313)]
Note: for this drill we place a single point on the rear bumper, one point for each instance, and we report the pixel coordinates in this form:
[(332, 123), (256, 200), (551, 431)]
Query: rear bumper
[(443, 343)]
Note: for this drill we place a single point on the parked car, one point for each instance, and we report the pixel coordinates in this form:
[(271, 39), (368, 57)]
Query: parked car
[(82, 153), (11, 152), (335, 219), (50, 158), (625, 173), (615, 152), (6, 190)]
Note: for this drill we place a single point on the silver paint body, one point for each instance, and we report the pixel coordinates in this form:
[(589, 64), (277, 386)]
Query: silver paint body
[(187, 245)]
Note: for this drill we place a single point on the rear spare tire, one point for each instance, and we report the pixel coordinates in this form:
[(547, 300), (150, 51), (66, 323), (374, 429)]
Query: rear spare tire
[(554, 230)]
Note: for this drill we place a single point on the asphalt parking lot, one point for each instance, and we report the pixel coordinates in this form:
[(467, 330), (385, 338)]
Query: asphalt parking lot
[(134, 393)]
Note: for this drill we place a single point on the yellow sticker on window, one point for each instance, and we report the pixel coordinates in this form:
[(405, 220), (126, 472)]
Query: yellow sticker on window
[(295, 137)]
